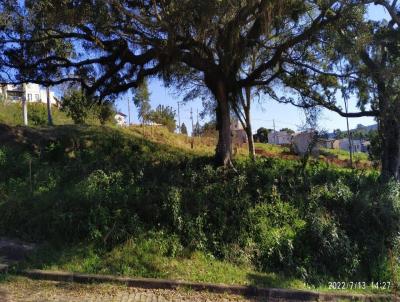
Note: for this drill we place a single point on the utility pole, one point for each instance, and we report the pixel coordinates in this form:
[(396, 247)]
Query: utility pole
[(24, 105), (197, 122), (129, 112), (179, 119), (348, 132), (275, 140), (191, 117)]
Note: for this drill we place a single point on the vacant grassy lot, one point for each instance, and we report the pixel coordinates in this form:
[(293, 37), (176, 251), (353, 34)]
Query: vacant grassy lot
[(120, 201)]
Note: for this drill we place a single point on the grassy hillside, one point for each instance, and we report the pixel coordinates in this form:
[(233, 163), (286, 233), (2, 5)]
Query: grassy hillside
[(11, 114), (110, 200)]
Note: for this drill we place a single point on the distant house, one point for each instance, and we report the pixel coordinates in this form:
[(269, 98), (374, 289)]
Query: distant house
[(365, 145), (120, 118), (356, 145), (301, 142), (279, 138), (327, 143), (239, 136), (33, 93)]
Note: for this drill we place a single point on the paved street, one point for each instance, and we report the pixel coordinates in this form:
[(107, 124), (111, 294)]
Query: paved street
[(18, 289)]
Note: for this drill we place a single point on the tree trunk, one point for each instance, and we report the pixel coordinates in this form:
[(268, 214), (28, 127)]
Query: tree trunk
[(390, 139), (250, 138), (389, 131), (219, 88), (24, 106), (4, 93), (49, 116), (223, 154), (249, 132)]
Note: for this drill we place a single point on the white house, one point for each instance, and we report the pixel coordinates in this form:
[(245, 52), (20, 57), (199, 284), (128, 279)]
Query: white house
[(120, 118), (32, 93), (279, 138)]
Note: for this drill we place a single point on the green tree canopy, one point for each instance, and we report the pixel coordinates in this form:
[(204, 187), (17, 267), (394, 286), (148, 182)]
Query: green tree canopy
[(209, 41), (184, 129), (288, 130), (164, 115), (76, 105), (141, 99), (261, 135)]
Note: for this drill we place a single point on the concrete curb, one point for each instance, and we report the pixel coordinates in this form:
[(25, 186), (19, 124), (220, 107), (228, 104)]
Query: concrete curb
[(272, 294)]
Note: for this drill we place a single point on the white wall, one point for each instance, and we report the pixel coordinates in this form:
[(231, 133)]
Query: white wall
[(344, 144), (120, 120), (43, 96), (279, 138), (33, 93)]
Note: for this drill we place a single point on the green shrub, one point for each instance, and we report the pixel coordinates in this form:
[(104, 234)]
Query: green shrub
[(77, 106), (37, 114), (276, 225), (143, 256)]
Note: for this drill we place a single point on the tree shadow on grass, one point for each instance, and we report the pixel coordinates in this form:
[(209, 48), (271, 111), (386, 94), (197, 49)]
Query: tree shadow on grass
[(88, 259), (272, 280)]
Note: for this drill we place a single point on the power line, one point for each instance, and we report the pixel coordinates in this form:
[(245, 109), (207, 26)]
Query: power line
[(273, 120), (179, 119), (191, 117), (129, 112)]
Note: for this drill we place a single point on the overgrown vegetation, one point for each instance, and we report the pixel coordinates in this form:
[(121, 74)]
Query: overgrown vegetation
[(83, 109), (148, 200)]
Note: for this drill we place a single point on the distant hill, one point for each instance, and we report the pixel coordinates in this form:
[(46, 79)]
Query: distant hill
[(359, 128)]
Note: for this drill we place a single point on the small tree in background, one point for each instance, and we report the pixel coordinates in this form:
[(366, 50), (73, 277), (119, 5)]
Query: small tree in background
[(207, 130), (165, 116), (288, 130), (105, 112), (76, 105), (184, 129), (141, 100), (338, 134), (261, 135), (197, 129)]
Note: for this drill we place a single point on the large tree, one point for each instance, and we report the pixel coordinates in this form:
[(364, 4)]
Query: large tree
[(358, 60), (116, 44)]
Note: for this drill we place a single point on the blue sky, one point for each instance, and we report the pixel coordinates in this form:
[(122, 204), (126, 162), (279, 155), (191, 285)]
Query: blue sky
[(263, 114)]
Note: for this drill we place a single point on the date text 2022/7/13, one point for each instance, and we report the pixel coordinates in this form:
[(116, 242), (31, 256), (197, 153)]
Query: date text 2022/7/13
[(346, 285)]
